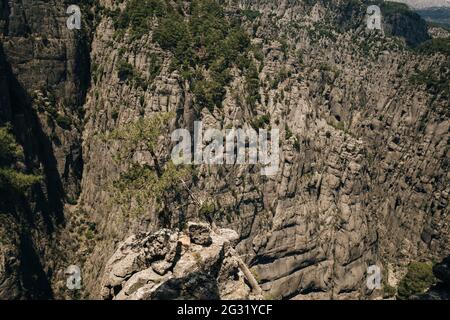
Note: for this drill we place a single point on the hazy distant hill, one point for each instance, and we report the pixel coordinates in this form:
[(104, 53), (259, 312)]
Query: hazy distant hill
[(420, 4), (438, 15)]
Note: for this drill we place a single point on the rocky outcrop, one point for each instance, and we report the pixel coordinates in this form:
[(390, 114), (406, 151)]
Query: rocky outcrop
[(437, 32), (169, 264)]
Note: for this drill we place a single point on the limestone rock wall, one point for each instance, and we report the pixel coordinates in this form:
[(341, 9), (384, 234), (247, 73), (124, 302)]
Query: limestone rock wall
[(363, 176)]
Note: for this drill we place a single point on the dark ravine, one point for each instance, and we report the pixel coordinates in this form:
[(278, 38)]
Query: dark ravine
[(364, 164), (44, 77)]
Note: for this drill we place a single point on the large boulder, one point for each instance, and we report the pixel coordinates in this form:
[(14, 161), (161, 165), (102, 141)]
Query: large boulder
[(200, 233), (197, 264)]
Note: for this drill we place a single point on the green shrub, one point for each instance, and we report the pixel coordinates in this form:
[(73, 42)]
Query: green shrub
[(208, 93), (441, 45), (10, 152), (140, 183), (125, 71), (89, 235), (252, 84), (436, 79), (17, 180), (251, 14), (71, 201), (171, 32), (143, 133), (96, 72), (388, 291), (207, 208), (289, 133), (327, 68), (340, 125), (115, 113), (155, 66), (418, 278), (63, 121), (137, 14), (280, 77), (9, 149), (205, 46), (205, 43), (261, 122)]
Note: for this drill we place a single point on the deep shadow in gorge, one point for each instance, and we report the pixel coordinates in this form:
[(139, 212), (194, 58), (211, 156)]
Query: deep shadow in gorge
[(39, 213)]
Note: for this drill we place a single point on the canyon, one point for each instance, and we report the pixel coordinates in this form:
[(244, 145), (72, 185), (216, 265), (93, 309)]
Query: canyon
[(363, 176)]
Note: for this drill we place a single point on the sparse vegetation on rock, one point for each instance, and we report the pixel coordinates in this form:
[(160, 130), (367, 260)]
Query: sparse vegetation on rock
[(418, 278)]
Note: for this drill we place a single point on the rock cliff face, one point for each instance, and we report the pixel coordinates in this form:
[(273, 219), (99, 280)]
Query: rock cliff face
[(363, 177)]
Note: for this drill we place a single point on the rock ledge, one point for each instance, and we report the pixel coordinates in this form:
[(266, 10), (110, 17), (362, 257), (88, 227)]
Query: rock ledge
[(196, 264)]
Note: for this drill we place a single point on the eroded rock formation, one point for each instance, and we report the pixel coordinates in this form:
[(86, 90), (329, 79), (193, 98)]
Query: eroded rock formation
[(167, 264)]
